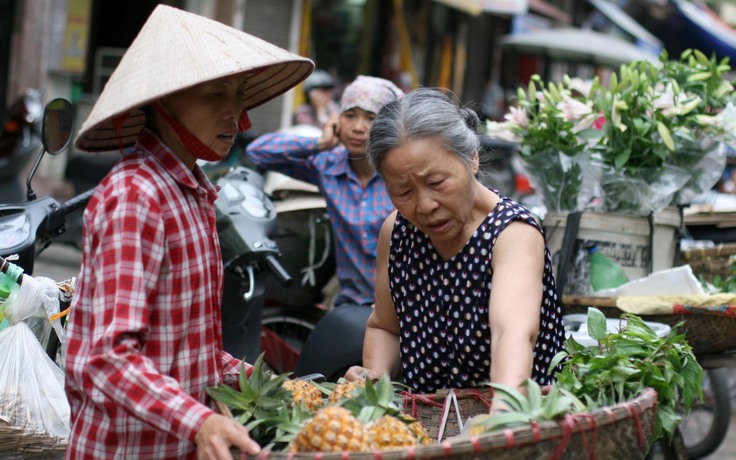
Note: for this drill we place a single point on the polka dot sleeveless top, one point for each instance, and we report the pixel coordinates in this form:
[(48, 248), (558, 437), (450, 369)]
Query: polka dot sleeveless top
[(442, 306)]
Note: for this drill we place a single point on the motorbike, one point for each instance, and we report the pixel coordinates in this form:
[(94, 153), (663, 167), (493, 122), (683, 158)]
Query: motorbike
[(20, 139), (28, 227)]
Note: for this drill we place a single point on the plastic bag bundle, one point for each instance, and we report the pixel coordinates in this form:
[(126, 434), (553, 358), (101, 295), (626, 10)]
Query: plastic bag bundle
[(32, 394), (37, 299), (31, 385)]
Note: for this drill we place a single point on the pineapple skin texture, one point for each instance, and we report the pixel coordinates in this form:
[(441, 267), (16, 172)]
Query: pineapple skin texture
[(391, 433), (420, 433), (343, 390), (332, 429), (305, 393)]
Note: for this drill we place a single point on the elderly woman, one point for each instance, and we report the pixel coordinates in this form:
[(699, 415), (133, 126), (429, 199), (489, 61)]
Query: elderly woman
[(144, 342), (464, 292)]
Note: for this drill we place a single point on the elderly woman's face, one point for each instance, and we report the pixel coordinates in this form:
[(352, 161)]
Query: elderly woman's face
[(432, 187), (210, 111)]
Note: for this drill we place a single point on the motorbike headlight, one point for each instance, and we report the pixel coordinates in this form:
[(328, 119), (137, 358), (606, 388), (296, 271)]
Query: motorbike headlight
[(14, 230)]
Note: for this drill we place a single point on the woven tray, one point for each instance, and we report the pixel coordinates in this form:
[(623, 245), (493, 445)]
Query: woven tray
[(616, 432), (705, 333), (709, 262), (16, 443)]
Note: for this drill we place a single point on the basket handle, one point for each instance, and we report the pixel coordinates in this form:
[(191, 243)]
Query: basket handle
[(451, 399)]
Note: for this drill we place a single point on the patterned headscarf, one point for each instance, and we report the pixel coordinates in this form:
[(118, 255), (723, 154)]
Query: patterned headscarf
[(369, 94)]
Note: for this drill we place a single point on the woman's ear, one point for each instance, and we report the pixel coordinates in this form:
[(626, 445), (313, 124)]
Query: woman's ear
[(475, 163)]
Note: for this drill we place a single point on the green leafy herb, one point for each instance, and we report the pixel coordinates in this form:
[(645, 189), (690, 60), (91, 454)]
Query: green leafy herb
[(626, 362)]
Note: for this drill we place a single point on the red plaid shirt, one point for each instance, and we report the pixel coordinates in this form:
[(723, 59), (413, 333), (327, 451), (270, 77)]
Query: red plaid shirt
[(144, 336)]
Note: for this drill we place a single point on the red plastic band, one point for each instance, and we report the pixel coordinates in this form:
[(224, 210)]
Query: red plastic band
[(535, 431), (447, 446), (578, 419), (509, 434), (566, 435), (475, 442), (639, 429)]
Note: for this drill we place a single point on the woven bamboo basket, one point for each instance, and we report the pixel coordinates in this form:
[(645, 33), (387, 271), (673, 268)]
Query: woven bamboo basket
[(615, 432), (705, 333), (709, 262)]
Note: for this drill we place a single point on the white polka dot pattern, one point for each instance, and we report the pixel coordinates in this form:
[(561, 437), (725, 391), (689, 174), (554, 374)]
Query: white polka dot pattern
[(442, 305)]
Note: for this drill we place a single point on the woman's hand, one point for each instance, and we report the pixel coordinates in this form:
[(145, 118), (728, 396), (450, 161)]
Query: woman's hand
[(330, 134), (218, 434), (361, 373)]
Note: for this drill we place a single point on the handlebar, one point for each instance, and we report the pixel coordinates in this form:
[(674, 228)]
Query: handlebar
[(76, 202), (279, 271)]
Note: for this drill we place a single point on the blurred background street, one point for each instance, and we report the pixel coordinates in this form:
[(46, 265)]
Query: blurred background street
[(487, 52)]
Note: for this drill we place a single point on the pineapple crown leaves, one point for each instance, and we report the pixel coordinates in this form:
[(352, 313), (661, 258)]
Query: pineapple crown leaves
[(371, 402), (627, 361), (535, 407), (286, 424), (260, 403)]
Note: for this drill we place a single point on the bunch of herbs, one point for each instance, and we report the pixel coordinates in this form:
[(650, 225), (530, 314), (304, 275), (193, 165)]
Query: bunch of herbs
[(626, 362)]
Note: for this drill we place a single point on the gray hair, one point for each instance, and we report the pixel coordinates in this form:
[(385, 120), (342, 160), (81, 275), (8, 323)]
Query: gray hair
[(420, 114)]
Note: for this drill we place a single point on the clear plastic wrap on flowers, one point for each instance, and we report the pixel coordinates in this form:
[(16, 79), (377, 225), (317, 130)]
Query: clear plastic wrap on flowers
[(566, 183), (705, 160), (651, 190)]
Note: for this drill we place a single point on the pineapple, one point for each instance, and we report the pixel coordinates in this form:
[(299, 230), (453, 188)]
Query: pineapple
[(420, 432), (260, 406), (303, 392), (344, 389), (388, 432), (380, 407), (332, 429)]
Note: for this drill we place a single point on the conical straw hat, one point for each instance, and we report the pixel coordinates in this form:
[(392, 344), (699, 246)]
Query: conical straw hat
[(176, 50)]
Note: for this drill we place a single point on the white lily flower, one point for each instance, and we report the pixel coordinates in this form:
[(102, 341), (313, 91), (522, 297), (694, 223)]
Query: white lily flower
[(573, 109), (518, 117), (503, 131)]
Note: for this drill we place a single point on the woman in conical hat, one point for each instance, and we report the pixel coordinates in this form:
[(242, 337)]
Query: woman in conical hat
[(144, 342)]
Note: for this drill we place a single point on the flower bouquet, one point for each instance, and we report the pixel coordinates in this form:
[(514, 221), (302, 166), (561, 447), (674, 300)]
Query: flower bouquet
[(652, 138)]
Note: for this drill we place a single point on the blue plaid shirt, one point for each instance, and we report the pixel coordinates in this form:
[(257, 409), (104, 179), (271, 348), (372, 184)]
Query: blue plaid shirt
[(356, 213)]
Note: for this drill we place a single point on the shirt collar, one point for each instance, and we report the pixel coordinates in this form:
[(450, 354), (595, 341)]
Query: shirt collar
[(189, 178), (341, 165)]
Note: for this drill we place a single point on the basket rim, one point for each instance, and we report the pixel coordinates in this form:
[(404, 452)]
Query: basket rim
[(508, 438)]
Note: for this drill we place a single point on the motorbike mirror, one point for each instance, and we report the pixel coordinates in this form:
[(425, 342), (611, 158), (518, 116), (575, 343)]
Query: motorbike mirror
[(57, 125), (56, 133)]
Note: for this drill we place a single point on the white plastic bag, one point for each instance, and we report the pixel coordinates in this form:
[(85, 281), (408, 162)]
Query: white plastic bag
[(37, 300), (32, 394), (31, 385)]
